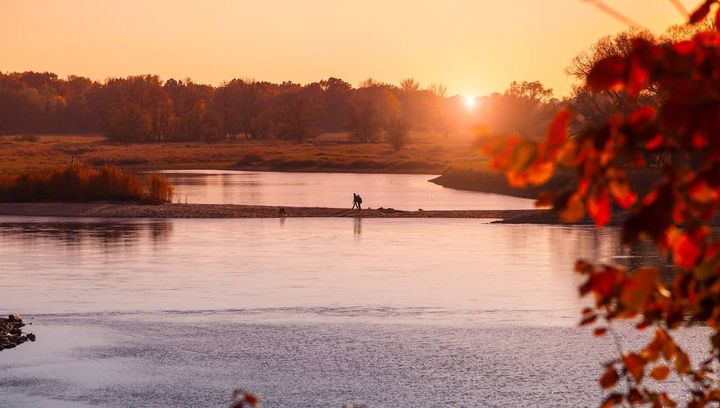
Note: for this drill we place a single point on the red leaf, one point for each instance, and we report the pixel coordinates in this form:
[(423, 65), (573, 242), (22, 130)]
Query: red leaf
[(599, 207), (607, 74), (603, 282), (641, 117), (655, 142), (557, 131), (685, 251), (639, 77), (699, 140)]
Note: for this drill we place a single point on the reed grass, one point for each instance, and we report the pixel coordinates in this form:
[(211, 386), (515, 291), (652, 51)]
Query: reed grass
[(83, 182)]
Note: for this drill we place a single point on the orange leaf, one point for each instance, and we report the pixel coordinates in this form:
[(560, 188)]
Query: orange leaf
[(638, 289), (523, 154), (660, 372), (635, 365), (622, 193), (610, 378), (572, 209), (703, 193), (540, 173), (682, 362)]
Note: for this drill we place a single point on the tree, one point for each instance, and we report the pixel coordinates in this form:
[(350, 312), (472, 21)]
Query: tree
[(409, 85), (675, 214), (298, 112), (397, 132), (524, 108), (336, 104), (595, 107), (371, 106)]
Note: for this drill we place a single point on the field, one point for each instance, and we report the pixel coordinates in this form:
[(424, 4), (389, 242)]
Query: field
[(425, 153)]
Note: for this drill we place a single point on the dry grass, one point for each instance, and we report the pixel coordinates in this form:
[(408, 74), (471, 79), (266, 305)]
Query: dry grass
[(82, 182), (425, 153)]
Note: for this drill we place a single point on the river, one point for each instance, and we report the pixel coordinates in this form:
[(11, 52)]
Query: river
[(305, 312)]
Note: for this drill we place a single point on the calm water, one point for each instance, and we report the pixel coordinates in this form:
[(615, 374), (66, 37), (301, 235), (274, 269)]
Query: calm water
[(306, 312), (399, 191)]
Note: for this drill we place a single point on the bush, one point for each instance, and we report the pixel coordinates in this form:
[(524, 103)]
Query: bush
[(397, 133), (159, 189), (82, 182)]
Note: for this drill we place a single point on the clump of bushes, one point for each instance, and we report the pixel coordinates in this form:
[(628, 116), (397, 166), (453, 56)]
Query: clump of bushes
[(83, 182)]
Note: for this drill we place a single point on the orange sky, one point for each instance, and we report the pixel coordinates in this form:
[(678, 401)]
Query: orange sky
[(472, 46)]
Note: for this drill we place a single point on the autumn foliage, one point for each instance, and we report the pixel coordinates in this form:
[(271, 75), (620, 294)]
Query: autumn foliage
[(676, 213), (82, 182)]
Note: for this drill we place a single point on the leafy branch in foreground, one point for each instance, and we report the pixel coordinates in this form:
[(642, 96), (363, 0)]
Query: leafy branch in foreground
[(676, 213)]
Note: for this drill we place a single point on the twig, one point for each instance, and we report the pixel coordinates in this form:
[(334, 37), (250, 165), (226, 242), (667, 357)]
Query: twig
[(679, 6), (614, 13)]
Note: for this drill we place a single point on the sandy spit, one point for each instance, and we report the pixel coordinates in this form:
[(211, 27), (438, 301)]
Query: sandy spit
[(115, 210)]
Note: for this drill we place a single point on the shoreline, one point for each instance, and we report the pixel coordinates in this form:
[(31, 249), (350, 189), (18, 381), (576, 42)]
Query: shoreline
[(130, 210)]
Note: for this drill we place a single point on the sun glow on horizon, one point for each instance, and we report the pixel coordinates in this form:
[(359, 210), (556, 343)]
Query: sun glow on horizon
[(470, 101)]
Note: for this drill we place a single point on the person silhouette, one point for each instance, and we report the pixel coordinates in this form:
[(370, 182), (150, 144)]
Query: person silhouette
[(355, 201), (359, 202)]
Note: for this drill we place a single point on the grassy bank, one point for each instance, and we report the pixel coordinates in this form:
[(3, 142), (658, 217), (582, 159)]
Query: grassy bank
[(487, 181), (82, 182), (425, 153)]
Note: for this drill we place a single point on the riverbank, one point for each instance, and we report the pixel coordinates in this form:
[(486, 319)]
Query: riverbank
[(426, 153), (488, 181), (114, 210)]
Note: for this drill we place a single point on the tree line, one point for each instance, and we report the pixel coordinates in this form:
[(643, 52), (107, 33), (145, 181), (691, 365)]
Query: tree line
[(146, 109)]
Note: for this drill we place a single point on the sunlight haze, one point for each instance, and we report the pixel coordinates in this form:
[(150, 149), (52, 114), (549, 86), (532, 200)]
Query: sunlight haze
[(473, 47)]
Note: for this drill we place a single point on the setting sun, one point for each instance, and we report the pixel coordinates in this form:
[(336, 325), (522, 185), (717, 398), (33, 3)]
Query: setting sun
[(470, 101)]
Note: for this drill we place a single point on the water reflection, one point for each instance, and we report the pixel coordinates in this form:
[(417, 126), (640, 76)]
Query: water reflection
[(400, 191), (357, 225), (79, 233), (437, 269)]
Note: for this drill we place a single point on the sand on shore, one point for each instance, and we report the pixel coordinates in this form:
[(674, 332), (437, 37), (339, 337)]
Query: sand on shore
[(124, 210)]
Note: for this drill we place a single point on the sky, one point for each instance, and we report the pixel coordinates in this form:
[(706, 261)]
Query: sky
[(474, 47)]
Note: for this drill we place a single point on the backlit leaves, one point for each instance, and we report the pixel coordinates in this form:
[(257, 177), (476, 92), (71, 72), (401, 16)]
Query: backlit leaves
[(660, 373), (610, 378), (657, 168)]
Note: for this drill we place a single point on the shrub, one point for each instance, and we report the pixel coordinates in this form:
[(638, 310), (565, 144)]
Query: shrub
[(159, 189), (82, 182), (397, 133)]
